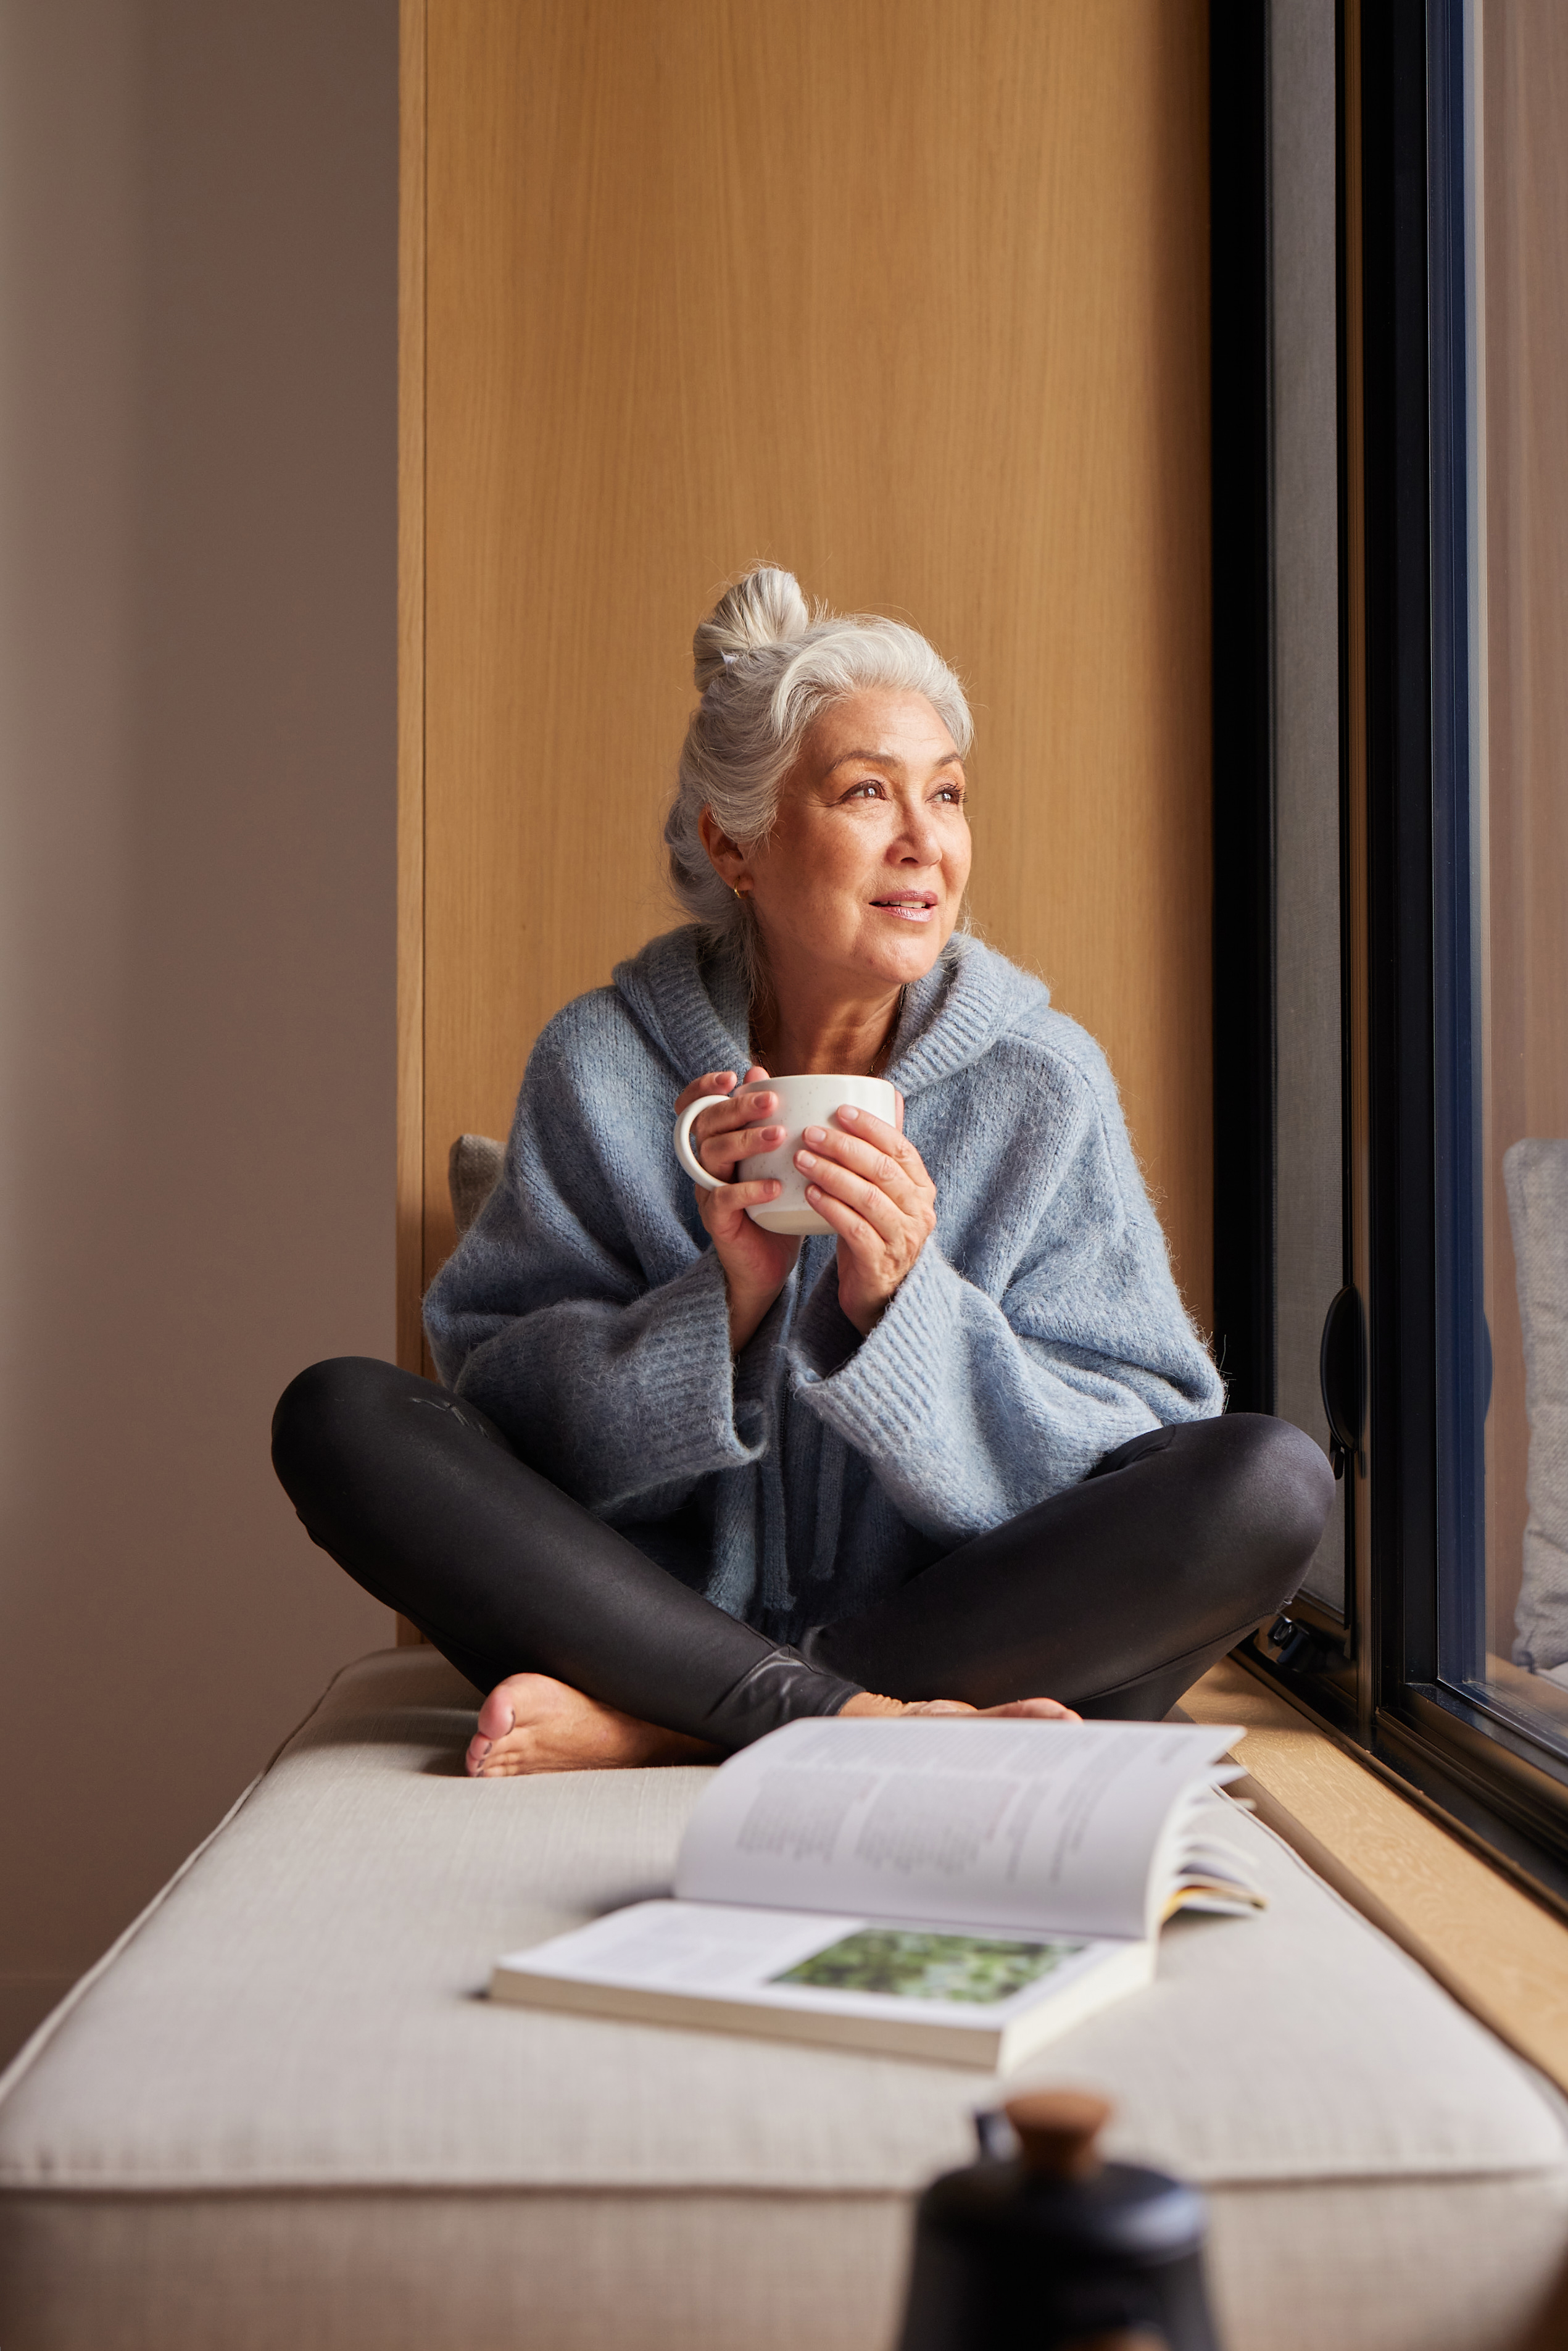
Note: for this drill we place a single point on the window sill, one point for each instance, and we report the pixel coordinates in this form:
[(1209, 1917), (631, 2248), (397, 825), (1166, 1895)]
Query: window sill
[(1502, 1954)]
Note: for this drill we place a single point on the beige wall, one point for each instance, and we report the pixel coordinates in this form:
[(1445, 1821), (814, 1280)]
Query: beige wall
[(197, 458)]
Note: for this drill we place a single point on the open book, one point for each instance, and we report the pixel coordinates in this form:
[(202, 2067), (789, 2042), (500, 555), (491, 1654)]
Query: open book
[(935, 1885)]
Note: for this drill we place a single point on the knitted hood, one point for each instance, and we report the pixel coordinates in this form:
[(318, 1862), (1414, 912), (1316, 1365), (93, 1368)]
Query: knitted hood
[(689, 1000)]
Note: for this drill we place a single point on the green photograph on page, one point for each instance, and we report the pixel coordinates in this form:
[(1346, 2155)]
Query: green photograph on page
[(900, 1964)]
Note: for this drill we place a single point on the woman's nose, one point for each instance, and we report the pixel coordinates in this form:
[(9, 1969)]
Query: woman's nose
[(918, 843)]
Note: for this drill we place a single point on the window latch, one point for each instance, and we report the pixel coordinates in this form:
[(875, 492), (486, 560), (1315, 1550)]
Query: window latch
[(1342, 1374)]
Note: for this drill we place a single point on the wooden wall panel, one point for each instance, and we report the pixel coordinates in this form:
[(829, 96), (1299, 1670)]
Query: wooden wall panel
[(908, 295), (411, 686)]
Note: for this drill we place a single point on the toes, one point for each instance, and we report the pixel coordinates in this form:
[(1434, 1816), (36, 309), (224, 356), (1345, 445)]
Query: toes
[(497, 1715), (505, 1761), (1039, 1709), (502, 1757)]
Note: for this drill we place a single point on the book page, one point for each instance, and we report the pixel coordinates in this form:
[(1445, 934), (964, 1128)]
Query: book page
[(1056, 1827), (784, 1958)]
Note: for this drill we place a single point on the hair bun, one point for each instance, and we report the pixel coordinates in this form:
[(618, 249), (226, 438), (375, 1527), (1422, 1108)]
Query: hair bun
[(765, 608)]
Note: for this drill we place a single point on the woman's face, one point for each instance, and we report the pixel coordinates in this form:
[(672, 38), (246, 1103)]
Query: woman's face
[(865, 870)]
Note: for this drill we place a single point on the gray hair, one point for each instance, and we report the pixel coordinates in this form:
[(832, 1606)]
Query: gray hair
[(767, 667)]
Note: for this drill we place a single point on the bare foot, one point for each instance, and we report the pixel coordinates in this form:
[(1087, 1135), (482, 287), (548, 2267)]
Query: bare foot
[(1040, 1710), (531, 1723)]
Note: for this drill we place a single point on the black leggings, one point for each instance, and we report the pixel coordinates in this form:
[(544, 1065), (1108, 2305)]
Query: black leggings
[(1113, 1596)]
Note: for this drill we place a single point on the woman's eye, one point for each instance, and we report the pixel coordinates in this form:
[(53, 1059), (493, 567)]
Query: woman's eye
[(871, 788), (954, 792)]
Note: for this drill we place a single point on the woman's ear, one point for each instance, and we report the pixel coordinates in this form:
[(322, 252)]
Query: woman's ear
[(727, 856)]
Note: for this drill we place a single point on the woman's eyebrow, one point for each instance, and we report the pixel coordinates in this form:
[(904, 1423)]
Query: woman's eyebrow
[(888, 759)]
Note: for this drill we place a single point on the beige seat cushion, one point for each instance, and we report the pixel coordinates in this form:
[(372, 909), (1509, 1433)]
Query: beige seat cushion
[(282, 2114)]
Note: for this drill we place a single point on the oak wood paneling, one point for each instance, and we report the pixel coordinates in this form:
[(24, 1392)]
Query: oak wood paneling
[(411, 1348), (411, 684), (908, 295)]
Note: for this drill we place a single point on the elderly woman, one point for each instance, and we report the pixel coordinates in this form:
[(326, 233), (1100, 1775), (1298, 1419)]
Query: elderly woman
[(687, 1478)]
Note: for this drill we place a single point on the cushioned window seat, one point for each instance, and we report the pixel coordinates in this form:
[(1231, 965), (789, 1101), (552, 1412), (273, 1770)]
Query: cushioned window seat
[(281, 2116)]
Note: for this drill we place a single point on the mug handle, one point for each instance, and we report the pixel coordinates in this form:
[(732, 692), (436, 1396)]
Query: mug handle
[(684, 1151)]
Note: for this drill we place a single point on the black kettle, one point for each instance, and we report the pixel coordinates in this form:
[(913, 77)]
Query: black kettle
[(1043, 2246)]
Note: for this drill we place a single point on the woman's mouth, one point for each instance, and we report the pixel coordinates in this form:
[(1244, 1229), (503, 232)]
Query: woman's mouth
[(908, 905)]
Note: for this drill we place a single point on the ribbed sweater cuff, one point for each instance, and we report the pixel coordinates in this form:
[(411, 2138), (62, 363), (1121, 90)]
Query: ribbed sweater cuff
[(690, 1420), (895, 1379)]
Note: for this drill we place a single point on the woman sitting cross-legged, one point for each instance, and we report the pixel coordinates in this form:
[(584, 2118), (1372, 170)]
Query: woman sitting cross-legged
[(688, 1477)]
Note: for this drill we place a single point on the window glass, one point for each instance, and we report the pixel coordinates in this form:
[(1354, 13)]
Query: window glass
[(1503, 997)]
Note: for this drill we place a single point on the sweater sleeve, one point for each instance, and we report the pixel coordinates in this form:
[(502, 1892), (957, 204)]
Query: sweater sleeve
[(979, 1394), (583, 1316)]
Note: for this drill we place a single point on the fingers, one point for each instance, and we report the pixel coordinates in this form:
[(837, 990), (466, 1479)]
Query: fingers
[(721, 1147), (736, 1127), (878, 1132), (755, 1193), (712, 1081), (871, 1187), (868, 1241), (724, 1147), (717, 1082), (857, 1196), (874, 1149), (869, 1178), (724, 1210)]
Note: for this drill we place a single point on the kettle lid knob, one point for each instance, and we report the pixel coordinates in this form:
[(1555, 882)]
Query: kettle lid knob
[(1057, 2131)]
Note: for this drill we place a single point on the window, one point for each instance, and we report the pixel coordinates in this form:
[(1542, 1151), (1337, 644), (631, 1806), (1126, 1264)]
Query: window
[(1391, 651), (1501, 678)]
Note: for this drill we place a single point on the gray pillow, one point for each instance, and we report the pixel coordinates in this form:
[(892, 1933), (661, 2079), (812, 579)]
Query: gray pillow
[(1536, 1175), (472, 1168)]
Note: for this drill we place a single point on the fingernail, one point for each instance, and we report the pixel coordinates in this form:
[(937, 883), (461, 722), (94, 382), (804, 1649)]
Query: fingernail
[(849, 1111), (813, 1191), (815, 1134), (805, 1159)]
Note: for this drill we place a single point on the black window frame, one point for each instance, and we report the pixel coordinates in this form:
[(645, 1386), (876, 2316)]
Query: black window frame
[(1373, 1681)]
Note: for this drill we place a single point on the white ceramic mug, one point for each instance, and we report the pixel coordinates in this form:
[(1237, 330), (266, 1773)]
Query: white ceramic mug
[(804, 1101)]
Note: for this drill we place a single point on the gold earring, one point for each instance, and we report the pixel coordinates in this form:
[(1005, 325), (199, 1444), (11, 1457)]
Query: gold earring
[(737, 888)]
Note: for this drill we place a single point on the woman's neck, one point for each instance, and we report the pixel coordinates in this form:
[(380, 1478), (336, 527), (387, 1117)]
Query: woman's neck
[(846, 1040)]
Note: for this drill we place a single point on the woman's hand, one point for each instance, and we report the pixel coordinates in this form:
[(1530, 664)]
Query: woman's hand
[(755, 1262), (871, 1186)]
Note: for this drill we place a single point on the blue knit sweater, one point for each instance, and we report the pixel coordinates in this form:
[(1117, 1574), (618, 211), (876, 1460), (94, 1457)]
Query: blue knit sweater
[(585, 1311)]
